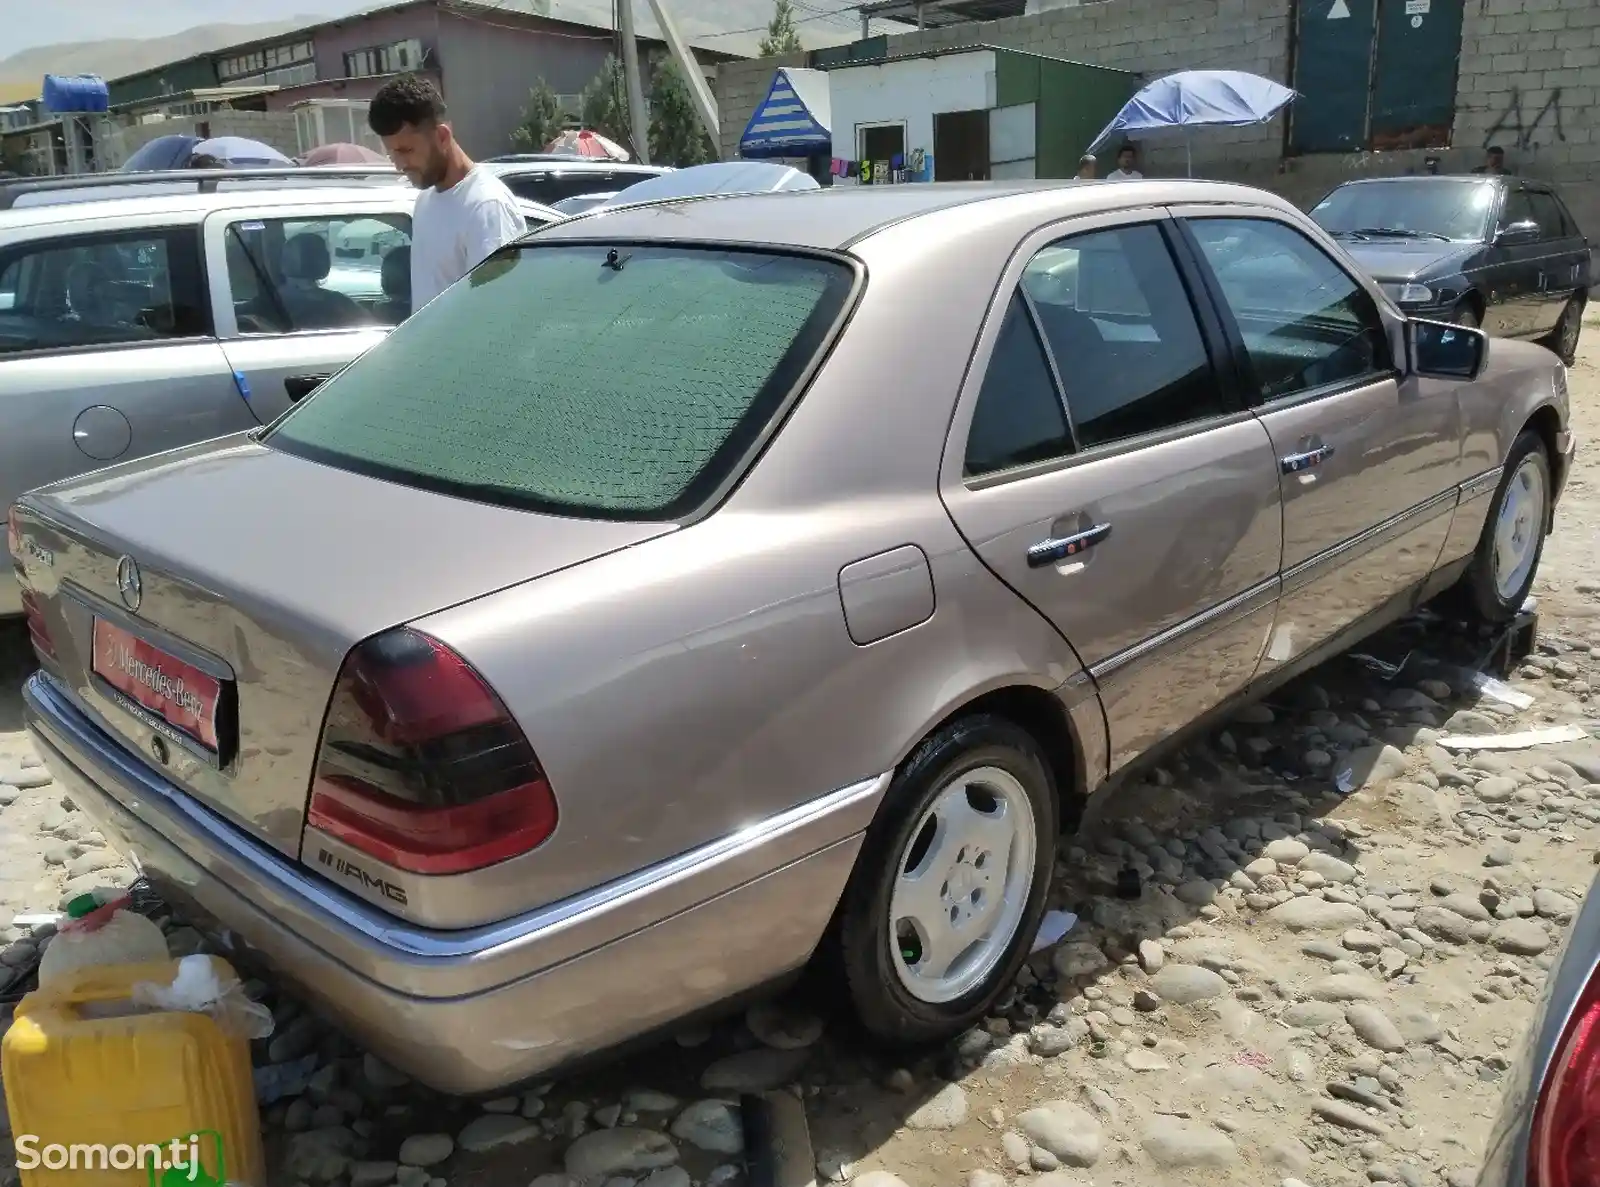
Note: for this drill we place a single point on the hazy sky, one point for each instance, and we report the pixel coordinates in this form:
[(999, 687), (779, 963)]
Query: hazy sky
[(45, 22)]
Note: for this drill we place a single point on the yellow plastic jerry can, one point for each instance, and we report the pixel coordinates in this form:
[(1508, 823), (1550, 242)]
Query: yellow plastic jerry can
[(103, 1094)]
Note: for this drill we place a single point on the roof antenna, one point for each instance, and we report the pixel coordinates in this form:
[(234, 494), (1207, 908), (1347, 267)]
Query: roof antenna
[(615, 261)]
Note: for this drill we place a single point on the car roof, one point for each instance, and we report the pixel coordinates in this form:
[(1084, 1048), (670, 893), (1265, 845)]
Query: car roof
[(184, 206), (836, 217), (506, 166)]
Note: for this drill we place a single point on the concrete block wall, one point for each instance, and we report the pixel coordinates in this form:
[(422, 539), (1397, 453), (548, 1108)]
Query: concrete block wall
[(117, 144), (1528, 80)]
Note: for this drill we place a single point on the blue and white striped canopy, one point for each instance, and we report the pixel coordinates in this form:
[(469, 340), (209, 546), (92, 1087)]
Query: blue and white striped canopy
[(793, 120)]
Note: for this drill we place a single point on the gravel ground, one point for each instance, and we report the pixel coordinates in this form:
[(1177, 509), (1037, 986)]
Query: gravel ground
[(1341, 931)]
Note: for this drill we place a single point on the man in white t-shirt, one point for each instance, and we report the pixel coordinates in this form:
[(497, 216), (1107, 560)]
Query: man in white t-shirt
[(464, 211), (1124, 170)]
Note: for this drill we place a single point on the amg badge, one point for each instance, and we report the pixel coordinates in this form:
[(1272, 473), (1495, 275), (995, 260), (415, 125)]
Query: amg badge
[(348, 869)]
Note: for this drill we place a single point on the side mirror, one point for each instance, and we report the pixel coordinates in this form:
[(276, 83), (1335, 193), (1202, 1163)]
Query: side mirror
[(1525, 231), (1443, 350)]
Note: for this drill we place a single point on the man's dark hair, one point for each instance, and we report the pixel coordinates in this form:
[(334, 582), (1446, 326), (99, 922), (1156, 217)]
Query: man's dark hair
[(409, 99), (1126, 148), (1494, 150)]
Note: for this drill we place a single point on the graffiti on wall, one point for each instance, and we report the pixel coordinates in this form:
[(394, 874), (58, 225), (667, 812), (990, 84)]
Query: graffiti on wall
[(1525, 132)]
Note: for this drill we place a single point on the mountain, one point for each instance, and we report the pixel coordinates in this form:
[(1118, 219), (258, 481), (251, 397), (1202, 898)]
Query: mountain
[(115, 57), (29, 23)]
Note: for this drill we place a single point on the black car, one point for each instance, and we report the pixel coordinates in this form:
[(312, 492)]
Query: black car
[(1494, 251)]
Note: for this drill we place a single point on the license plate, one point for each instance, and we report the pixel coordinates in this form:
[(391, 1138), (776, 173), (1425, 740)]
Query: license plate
[(180, 694)]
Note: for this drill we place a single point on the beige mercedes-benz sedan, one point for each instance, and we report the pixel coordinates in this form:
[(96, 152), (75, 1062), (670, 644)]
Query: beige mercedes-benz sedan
[(701, 587)]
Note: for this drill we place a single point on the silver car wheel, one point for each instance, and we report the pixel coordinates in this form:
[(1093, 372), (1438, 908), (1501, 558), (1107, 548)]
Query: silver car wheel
[(962, 885), (1517, 528)]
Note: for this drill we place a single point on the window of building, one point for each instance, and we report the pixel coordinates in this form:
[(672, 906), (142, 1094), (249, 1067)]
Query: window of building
[(384, 59)]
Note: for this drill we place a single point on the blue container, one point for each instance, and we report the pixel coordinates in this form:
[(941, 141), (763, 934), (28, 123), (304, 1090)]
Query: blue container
[(75, 93)]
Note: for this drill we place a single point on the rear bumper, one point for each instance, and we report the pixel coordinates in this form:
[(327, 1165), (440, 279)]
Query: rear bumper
[(474, 1010)]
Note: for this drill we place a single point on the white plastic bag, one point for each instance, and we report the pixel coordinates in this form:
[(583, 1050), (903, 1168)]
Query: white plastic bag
[(197, 988)]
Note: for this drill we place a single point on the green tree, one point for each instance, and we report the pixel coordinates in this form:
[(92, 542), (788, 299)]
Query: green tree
[(676, 135), (604, 106), (781, 37), (542, 120)]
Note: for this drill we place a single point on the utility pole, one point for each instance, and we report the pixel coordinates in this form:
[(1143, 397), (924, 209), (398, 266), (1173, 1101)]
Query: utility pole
[(638, 121), (704, 103)]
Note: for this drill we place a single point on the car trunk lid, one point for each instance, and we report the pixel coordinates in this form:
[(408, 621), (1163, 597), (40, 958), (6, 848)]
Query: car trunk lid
[(201, 602)]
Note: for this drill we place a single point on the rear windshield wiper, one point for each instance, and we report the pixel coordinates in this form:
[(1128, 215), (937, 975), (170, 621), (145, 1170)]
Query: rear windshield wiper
[(1397, 233)]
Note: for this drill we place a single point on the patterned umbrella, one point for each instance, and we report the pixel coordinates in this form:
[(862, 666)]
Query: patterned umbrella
[(342, 154), (587, 144)]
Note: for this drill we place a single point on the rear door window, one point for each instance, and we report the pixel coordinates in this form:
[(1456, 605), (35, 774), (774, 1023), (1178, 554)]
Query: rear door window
[(103, 290), (1120, 324), (623, 382), (331, 272), (1547, 214)]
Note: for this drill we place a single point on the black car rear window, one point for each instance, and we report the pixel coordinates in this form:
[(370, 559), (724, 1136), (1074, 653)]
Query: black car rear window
[(572, 379)]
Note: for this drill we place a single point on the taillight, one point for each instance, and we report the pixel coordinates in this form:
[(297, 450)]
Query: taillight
[(37, 630), (422, 766), (1565, 1150)]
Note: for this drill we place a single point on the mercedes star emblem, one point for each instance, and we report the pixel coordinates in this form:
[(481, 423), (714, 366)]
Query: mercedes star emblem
[(128, 584)]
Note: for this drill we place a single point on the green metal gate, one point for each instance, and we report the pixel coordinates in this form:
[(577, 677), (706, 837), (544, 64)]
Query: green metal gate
[(1333, 62), (1414, 81), (1374, 74)]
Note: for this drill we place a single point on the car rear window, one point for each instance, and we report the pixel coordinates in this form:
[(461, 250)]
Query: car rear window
[(618, 382)]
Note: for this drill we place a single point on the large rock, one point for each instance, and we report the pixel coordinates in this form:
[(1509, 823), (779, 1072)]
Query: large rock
[(760, 1070), (714, 1125), (1465, 905), (426, 1149), (1520, 937), (1286, 850), (945, 1109), (1078, 959), (1313, 1015), (1068, 1131), (496, 1129), (1554, 906), (1444, 925), (1373, 1027), (1315, 914), (1177, 1144), (1369, 766), (1349, 1116), (1346, 987), (1185, 984), (1330, 867), (617, 1151)]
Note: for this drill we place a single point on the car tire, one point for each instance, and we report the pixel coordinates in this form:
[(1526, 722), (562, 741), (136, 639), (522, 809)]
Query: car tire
[(979, 785), (1466, 314), (1512, 536), (1563, 340)]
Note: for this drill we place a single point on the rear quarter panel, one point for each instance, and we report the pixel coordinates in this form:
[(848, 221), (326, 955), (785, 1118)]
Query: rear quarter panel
[(1505, 1160)]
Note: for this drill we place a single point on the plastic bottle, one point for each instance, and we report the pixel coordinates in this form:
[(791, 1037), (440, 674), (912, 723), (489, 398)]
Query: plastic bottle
[(100, 935)]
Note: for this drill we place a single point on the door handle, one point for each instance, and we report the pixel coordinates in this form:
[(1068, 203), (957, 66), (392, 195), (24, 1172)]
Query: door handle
[(1048, 552), (1293, 463), (300, 386)]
